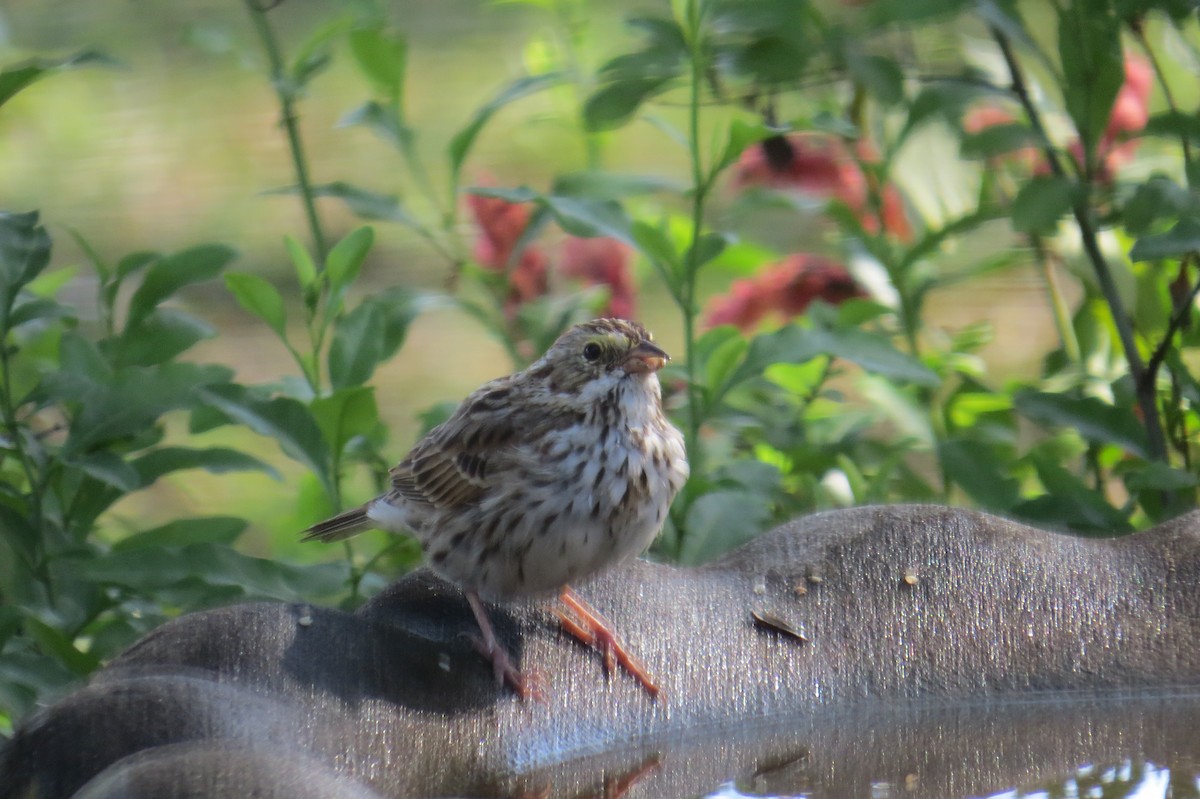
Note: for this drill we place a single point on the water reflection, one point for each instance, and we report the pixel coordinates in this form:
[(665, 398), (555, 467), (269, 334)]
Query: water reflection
[(1058, 747), (1129, 780)]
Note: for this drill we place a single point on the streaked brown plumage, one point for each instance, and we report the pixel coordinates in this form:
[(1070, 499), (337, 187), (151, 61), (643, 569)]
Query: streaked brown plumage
[(541, 479)]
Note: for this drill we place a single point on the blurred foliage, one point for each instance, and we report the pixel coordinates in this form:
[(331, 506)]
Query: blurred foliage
[(807, 380)]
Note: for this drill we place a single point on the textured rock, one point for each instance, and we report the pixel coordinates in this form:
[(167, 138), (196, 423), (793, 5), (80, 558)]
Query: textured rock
[(929, 629)]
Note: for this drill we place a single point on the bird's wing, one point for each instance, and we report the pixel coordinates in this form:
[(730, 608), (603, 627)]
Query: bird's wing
[(451, 465)]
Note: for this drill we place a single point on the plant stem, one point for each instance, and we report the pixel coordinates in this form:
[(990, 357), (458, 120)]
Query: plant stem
[(286, 93), (1179, 315), (700, 183), (1140, 32), (1143, 380), (8, 408), (1058, 303)]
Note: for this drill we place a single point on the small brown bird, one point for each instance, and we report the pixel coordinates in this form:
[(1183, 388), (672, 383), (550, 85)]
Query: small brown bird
[(541, 479)]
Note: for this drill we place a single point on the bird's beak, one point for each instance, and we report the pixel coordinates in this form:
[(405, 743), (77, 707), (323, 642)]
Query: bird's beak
[(645, 358)]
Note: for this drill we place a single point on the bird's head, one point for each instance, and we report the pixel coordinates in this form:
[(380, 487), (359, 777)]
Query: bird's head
[(608, 350)]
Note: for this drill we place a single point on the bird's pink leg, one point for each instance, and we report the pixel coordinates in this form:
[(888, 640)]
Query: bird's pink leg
[(593, 629), (502, 665)]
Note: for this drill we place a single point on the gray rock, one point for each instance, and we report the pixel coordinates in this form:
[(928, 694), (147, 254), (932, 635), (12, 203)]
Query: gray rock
[(935, 639)]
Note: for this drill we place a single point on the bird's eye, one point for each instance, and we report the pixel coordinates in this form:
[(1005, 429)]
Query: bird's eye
[(591, 351)]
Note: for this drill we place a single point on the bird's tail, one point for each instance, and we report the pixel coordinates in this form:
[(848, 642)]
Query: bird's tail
[(344, 525)]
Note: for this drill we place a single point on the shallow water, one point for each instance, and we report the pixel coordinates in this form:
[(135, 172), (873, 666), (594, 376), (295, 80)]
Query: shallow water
[(1062, 745)]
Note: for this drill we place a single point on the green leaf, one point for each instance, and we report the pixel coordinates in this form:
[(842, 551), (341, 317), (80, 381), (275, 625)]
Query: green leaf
[(306, 269), (1089, 46), (771, 59), (159, 338), (1182, 239), (720, 350), (604, 185), (382, 57), (110, 469), (22, 537), (655, 244), (346, 414), (997, 140), (742, 134), (590, 218), (314, 54), (886, 12), (398, 307), (1069, 502), (460, 144), (1174, 124), (874, 353), (24, 253), (367, 204), (707, 247), (1041, 202), (61, 646), (217, 460), (283, 419), (221, 574), (721, 520), (347, 256), (978, 470), (1158, 198), (172, 273), (32, 309), (1158, 476), (614, 104), (357, 346), (383, 122), (122, 404), (881, 76), (182, 532), (1093, 419), (14, 79), (520, 194), (10, 623), (80, 358), (946, 99), (259, 297)]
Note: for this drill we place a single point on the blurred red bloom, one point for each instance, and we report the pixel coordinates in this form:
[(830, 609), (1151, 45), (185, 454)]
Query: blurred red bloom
[(786, 288), (822, 166), (1131, 109), (982, 117), (501, 225), (602, 262), (1130, 113)]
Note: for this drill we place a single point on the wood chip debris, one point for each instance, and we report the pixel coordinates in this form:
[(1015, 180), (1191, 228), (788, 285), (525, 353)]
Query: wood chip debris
[(774, 623)]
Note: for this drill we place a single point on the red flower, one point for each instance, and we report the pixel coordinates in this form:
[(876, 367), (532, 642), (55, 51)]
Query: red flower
[(982, 117), (822, 166), (1131, 109), (602, 262), (501, 225), (1130, 112), (786, 288)]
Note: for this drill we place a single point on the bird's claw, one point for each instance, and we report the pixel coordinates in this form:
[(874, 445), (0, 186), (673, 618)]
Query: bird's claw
[(527, 685), (585, 624)]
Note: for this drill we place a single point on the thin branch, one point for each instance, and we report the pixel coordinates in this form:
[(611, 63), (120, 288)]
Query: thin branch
[(1178, 316), (1140, 32), (1145, 391), (289, 119)]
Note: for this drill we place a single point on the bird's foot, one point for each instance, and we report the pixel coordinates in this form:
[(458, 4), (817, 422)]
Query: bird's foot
[(526, 685), (585, 623)]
